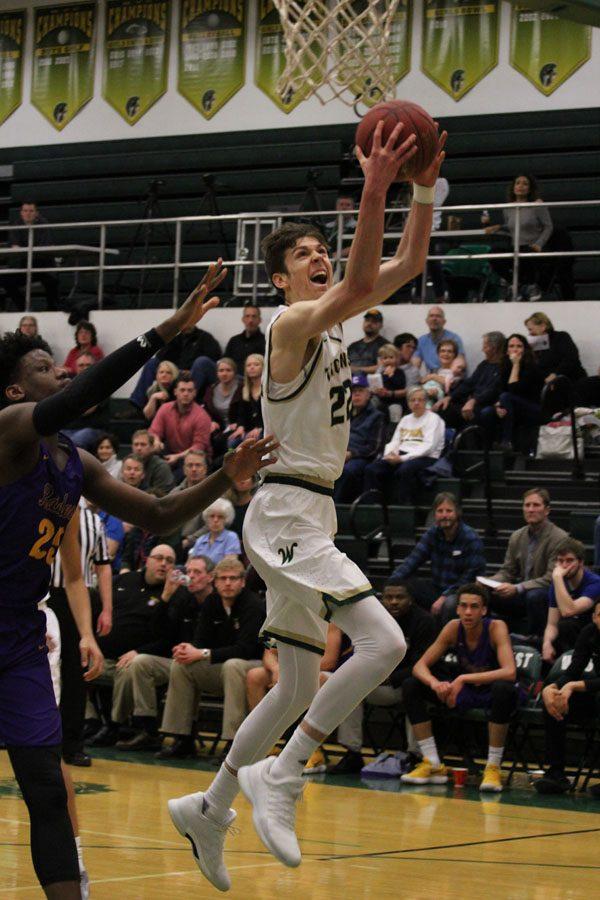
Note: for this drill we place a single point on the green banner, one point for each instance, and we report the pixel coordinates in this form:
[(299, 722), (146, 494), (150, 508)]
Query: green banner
[(460, 43), (212, 40), (546, 49), (367, 89), (270, 58), (12, 36), (63, 60), (136, 55)]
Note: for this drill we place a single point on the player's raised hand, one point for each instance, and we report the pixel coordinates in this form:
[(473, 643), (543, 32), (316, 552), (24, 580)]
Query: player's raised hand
[(382, 165), (196, 306), (429, 176), (249, 457), (92, 657)]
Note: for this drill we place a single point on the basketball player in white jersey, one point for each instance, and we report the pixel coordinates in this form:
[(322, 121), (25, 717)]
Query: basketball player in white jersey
[(291, 521)]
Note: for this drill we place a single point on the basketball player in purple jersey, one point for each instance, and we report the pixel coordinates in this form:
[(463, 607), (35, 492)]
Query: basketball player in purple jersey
[(42, 475)]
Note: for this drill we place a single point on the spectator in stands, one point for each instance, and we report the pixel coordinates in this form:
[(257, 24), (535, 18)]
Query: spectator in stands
[(535, 227), (416, 444), (195, 470), (181, 424), (426, 353), (363, 353), (161, 389), (193, 350), (137, 628), (450, 371), (240, 495), (486, 680), (472, 400), (571, 598), (250, 340), (180, 605), (571, 698), (224, 647), (132, 470), (219, 541), (29, 325), (247, 411), (388, 398), (419, 630), (519, 405), (85, 430), (218, 400), (406, 345), (346, 204), (455, 552), (86, 340), (554, 351), (158, 476), (106, 449), (366, 435), (526, 573), (42, 237)]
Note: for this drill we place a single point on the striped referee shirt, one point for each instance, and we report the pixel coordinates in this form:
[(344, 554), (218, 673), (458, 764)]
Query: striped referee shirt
[(94, 549)]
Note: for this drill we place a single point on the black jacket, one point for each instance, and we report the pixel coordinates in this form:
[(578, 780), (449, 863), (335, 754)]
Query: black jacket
[(420, 631), (186, 348), (240, 346), (484, 385), (179, 616), (530, 383), (137, 618), (587, 647), (561, 357), (234, 635)]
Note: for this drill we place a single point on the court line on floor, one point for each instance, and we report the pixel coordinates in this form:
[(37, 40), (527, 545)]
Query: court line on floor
[(492, 862)]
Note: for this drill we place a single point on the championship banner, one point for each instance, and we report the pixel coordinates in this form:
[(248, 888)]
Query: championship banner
[(212, 40), (63, 60), (136, 55), (546, 49), (12, 35), (270, 58), (367, 89), (460, 43)]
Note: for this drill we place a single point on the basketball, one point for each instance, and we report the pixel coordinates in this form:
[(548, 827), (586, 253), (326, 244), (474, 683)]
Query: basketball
[(416, 121)]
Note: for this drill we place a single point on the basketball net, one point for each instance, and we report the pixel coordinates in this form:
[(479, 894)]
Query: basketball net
[(337, 49)]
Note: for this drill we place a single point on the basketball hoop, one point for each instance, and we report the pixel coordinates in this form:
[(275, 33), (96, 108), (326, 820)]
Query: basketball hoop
[(338, 49)]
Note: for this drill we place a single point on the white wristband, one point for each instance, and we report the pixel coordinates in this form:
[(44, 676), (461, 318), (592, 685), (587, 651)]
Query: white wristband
[(422, 194)]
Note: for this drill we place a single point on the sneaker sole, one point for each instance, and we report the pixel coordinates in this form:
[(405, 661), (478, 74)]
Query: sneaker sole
[(179, 823), (490, 789), (435, 779), (315, 770), (245, 780)]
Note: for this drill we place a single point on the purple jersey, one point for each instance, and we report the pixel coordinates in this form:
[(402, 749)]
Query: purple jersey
[(34, 513), (482, 658)]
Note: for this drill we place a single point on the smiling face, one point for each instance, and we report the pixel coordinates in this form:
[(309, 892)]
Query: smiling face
[(104, 450), (308, 272), (36, 378), (446, 354)]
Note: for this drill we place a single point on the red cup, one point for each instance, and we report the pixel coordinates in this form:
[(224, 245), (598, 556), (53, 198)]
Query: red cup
[(460, 777)]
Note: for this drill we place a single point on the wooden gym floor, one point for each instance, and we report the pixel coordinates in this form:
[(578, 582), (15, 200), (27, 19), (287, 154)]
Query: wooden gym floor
[(357, 842)]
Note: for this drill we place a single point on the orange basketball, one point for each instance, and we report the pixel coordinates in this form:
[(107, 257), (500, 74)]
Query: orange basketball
[(416, 121)]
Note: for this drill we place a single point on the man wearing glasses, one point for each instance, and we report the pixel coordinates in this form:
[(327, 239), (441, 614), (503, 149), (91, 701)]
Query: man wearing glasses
[(225, 646)]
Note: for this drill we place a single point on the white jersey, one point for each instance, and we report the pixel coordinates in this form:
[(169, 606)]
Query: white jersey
[(310, 416)]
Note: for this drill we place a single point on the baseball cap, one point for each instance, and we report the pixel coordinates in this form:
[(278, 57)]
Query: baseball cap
[(373, 314), (360, 380)]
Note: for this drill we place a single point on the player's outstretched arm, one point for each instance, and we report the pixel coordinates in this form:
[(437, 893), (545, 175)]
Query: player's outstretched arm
[(163, 515), (21, 424)]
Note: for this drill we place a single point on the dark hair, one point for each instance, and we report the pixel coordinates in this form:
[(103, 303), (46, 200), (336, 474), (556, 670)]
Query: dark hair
[(474, 588), (542, 492), (87, 326), (571, 545), (275, 245), (137, 458), (107, 436), (447, 497), (208, 563), (184, 376), (533, 188), (397, 581), (13, 347), (249, 304), (404, 338), (528, 357)]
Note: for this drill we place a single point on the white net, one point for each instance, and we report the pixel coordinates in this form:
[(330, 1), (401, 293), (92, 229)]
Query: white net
[(338, 49)]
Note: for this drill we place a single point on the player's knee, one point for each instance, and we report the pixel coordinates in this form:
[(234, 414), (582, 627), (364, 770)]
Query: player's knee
[(45, 794), (392, 647)]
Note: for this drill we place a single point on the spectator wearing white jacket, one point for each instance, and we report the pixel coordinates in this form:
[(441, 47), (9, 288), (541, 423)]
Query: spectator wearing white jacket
[(416, 444)]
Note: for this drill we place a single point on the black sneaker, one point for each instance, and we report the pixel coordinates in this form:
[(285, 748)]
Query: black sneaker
[(106, 737), (181, 748), (350, 764), (553, 782), (143, 740)]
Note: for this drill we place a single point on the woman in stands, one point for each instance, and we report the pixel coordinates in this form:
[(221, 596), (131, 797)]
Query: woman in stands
[(247, 411), (219, 540), (86, 341), (554, 351), (519, 404), (218, 401), (161, 390), (106, 450), (535, 227), (451, 369)]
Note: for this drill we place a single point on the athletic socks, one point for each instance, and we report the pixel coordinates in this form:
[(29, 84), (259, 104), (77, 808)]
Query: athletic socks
[(295, 755), (220, 795), (429, 751), (495, 756)]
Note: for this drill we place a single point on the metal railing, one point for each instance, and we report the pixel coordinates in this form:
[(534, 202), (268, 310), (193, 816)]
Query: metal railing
[(252, 260), (563, 387), (480, 465)]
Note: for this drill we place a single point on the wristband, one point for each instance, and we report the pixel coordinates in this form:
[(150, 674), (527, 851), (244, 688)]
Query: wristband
[(151, 339), (422, 194)]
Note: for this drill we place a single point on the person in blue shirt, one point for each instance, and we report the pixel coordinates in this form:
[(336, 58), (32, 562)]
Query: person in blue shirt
[(115, 538), (572, 595), (366, 436), (456, 554), (218, 541), (427, 345)]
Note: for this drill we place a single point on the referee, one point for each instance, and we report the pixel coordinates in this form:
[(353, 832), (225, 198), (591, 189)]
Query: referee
[(97, 573)]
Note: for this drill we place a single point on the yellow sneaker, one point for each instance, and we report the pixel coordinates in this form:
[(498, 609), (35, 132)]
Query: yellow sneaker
[(425, 773), (274, 751), (492, 780), (316, 764)]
